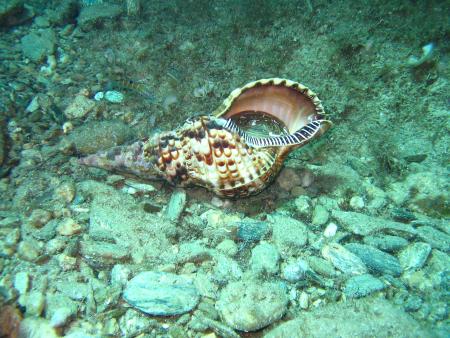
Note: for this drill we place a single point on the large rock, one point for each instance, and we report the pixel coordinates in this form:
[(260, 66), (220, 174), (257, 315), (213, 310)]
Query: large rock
[(367, 317), (38, 44), (97, 15), (252, 305), (161, 294)]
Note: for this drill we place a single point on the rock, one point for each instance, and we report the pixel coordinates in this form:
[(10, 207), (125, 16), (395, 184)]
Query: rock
[(288, 234), (320, 215), (228, 247), (386, 243), (321, 266), (22, 282), (343, 259), (39, 217), (97, 15), (330, 230), (61, 316), (414, 256), (65, 192), (73, 290), (252, 305), (303, 300), (79, 107), (437, 239), (114, 96), (357, 203), (38, 44), (47, 232), (295, 271), (366, 317), (288, 178), (10, 318), (364, 225), (264, 259), (91, 137), (10, 222), (120, 274), (376, 260), (161, 294), (303, 206), (29, 250), (176, 205), (36, 327), (34, 304), (69, 227), (249, 230), (362, 285), (226, 269), (135, 321), (103, 254)]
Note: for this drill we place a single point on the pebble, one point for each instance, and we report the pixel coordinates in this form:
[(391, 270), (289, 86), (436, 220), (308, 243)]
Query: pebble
[(295, 271), (357, 203), (361, 224), (343, 259), (66, 192), (29, 250), (249, 230), (47, 232), (264, 259), (228, 247), (252, 305), (161, 294), (414, 256), (303, 300), (37, 327), (330, 230), (35, 302), (73, 290), (22, 282), (61, 316), (69, 227), (303, 206), (226, 269), (321, 266), (176, 205), (120, 274), (103, 254), (376, 260), (79, 107), (288, 233), (386, 242), (320, 215), (362, 285), (114, 96), (10, 222), (38, 44), (39, 217), (437, 239)]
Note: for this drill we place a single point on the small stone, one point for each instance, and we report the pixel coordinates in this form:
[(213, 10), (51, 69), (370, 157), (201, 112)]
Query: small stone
[(386, 242), (73, 290), (69, 227), (303, 206), (414, 256), (10, 222), (120, 274), (114, 96), (161, 294), (39, 217), (437, 239), (66, 192), (35, 302), (264, 259), (61, 316), (47, 232), (37, 327), (357, 203), (320, 215), (226, 269), (361, 224), (362, 285), (343, 259), (22, 282), (303, 300), (330, 230), (79, 107), (376, 260), (295, 271), (249, 230), (228, 247), (176, 205), (321, 266), (289, 234), (97, 15), (29, 250), (103, 254), (252, 305), (38, 44)]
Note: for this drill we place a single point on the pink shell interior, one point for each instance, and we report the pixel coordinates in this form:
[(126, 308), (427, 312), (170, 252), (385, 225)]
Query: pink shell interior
[(286, 104)]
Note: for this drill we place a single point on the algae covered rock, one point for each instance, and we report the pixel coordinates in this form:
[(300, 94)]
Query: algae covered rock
[(94, 136), (37, 45)]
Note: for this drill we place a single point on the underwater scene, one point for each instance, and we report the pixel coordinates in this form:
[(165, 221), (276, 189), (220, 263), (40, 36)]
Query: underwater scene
[(231, 168)]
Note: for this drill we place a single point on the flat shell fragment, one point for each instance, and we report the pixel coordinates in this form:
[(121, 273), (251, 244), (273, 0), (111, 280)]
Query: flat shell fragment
[(161, 294)]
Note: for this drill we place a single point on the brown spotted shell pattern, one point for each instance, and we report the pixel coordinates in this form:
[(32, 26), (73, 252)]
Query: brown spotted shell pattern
[(205, 151)]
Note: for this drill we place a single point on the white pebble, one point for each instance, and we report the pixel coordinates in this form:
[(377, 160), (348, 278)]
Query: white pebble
[(114, 96), (330, 230), (99, 96)]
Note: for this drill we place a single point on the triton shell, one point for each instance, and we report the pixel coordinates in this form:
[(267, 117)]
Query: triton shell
[(218, 152)]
